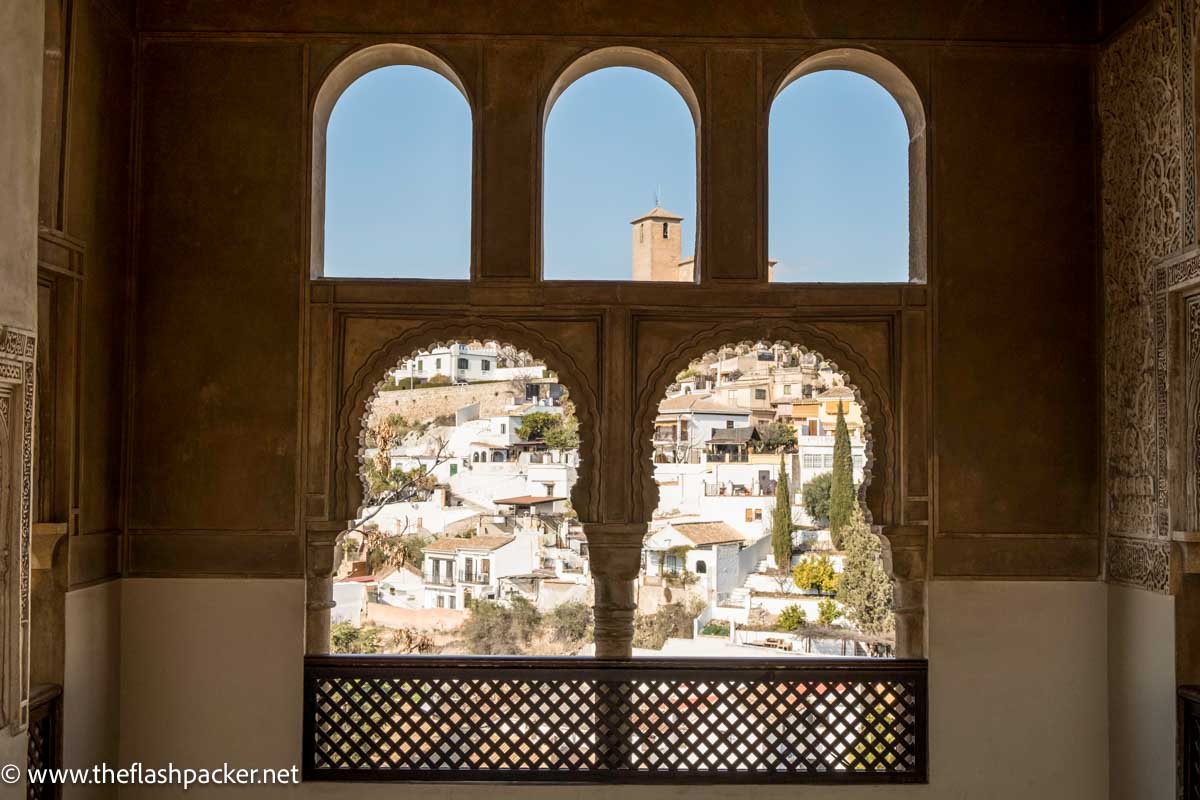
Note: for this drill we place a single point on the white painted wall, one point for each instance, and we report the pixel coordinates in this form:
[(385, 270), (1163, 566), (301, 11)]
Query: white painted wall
[(1141, 694), (92, 683), (212, 672)]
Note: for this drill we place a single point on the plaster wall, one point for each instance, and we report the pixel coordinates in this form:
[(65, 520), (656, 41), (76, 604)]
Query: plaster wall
[(212, 673), (92, 684), (1141, 693), (21, 23)]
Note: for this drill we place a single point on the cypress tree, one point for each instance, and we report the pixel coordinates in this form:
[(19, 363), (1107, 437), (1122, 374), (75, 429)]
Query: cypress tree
[(865, 589), (842, 498), (781, 521)]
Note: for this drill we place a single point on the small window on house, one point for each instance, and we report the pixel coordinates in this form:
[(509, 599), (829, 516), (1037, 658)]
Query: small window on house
[(728, 423), (701, 568), (666, 228), (487, 366), (437, 364), (760, 394), (463, 364), (749, 515), (758, 515), (787, 388), (503, 427), (421, 365)]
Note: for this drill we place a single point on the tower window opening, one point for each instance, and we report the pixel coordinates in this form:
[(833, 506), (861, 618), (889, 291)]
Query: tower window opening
[(665, 227)]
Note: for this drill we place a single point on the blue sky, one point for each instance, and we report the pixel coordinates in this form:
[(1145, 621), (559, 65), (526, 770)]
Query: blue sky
[(398, 192)]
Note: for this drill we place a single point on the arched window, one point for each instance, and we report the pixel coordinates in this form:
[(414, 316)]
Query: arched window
[(392, 182), (846, 173), (620, 133), (724, 454)]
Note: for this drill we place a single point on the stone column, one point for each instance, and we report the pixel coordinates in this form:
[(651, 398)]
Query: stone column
[(614, 552), (904, 559), (319, 558)]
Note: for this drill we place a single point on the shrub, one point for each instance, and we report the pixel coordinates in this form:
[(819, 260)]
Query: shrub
[(791, 618), (494, 629), (345, 638), (651, 631), (816, 572), (715, 627), (827, 612), (438, 380), (570, 622)]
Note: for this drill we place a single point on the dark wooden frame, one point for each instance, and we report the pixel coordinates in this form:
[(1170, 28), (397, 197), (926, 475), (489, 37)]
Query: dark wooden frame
[(637, 670)]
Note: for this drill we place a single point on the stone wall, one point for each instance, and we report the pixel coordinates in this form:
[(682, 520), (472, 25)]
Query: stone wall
[(419, 405)]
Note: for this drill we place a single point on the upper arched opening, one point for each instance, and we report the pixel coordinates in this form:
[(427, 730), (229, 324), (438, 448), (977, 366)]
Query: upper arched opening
[(392, 143), (621, 127), (847, 172)]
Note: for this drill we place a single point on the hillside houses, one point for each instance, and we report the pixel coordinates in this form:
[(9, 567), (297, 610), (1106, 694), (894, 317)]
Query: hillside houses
[(498, 523)]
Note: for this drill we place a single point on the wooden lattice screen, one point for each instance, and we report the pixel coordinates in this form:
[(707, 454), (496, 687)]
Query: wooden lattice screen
[(645, 720)]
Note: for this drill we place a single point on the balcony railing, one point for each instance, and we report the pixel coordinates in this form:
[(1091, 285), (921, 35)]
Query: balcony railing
[(440, 579), (645, 720), (475, 577)]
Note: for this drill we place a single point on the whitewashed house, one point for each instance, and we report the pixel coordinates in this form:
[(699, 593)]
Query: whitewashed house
[(711, 554), (459, 362), (686, 422), (457, 570), (402, 588)]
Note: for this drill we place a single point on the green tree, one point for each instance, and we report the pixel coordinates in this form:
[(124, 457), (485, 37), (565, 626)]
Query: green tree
[(815, 494), (816, 572), (842, 499), (865, 589), (564, 435), (781, 520), (776, 436), (536, 424)]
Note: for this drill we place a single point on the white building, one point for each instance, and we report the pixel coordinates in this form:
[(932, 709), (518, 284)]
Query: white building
[(459, 569), (458, 362), (709, 551), (686, 422), (402, 588)]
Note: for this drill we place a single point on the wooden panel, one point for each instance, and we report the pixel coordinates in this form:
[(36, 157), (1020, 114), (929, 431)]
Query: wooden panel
[(731, 233), (509, 184), (1016, 377)]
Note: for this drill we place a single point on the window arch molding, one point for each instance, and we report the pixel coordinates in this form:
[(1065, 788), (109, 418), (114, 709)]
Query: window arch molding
[(649, 61), (897, 83), (336, 81), (364, 386)]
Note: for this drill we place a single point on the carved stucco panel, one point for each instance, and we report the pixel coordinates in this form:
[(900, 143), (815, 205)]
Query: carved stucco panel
[(17, 352), (1143, 173)]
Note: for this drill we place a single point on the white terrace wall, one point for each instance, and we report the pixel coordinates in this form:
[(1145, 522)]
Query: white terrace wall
[(1018, 696)]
